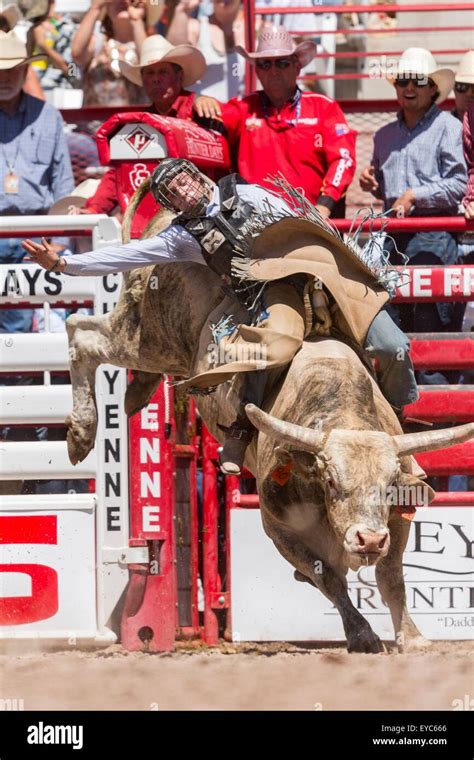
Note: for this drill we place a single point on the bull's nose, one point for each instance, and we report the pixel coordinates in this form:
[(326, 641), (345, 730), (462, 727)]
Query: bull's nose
[(371, 542), (362, 541)]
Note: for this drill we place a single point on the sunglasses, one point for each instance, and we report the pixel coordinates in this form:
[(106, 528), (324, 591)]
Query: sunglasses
[(417, 81), (267, 63), (463, 87)]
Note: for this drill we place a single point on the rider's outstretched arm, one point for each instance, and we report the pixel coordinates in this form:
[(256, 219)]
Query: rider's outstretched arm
[(173, 244)]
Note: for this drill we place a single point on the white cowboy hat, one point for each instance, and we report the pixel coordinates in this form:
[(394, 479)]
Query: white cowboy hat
[(13, 52), (156, 49), (80, 195), (420, 62), (465, 72), (277, 43), (11, 12)]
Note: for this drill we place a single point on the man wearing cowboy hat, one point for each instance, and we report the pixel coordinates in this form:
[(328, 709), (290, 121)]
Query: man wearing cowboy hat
[(418, 169), (280, 129), (464, 84), (164, 71), (35, 169)]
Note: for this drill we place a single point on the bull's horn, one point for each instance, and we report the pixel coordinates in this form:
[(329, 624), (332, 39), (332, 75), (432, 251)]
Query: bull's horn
[(304, 438), (433, 439)]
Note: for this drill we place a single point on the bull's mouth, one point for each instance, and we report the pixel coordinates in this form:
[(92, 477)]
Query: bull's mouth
[(357, 560)]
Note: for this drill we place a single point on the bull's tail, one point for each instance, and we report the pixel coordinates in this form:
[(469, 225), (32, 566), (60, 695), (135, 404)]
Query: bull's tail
[(135, 201)]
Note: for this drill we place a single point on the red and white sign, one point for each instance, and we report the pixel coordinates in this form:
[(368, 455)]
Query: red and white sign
[(433, 283), (47, 570)]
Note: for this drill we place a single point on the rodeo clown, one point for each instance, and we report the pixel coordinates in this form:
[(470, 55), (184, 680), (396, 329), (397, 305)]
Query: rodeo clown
[(287, 266)]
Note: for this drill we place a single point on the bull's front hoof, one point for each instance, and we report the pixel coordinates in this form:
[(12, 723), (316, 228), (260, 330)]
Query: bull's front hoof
[(80, 441), (365, 641)]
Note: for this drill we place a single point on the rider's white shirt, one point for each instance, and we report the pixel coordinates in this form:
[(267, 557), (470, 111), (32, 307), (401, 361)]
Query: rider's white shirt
[(172, 244)]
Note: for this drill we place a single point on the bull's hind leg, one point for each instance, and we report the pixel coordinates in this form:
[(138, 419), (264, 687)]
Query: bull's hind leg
[(389, 576), (359, 634)]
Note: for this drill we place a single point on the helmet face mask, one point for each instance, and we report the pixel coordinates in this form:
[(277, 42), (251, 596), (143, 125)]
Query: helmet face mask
[(178, 185)]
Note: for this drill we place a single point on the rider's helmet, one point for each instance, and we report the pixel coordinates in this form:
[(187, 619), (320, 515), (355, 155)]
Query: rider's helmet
[(198, 188)]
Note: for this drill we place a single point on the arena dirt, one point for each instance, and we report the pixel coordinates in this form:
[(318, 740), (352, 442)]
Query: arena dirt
[(240, 677)]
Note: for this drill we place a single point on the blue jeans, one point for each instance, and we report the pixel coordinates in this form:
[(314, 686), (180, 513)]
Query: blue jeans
[(391, 347), (14, 320)]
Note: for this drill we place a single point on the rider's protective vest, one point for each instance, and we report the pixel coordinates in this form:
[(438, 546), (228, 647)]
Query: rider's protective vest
[(222, 237)]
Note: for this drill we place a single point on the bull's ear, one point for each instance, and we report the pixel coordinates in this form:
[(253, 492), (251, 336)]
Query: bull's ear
[(407, 479), (303, 463)]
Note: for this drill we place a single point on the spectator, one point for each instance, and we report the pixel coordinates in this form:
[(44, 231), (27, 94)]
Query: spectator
[(305, 27), (418, 170), (10, 16), (216, 36), (281, 129), (111, 30), (464, 85), (51, 34), (34, 160), (164, 70)]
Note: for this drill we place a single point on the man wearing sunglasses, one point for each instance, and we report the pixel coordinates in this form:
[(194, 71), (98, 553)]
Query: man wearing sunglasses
[(464, 85), (281, 130), (418, 169)]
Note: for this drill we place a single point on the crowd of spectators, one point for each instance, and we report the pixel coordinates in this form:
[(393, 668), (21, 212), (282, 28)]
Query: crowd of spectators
[(187, 59)]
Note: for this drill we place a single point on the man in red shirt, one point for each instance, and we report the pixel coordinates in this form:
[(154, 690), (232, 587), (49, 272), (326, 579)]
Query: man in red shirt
[(280, 129), (164, 71)]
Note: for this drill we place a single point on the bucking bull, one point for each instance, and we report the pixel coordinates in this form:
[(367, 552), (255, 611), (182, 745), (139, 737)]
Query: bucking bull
[(329, 447)]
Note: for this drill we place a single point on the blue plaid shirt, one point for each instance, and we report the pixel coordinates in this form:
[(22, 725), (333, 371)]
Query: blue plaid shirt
[(427, 159), (42, 163)]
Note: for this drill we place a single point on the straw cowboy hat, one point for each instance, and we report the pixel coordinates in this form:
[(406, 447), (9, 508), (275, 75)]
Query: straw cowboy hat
[(465, 72), (420, 62), (80, 195), (277, 43), (13, 52), (156, 49), (11, 12)]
